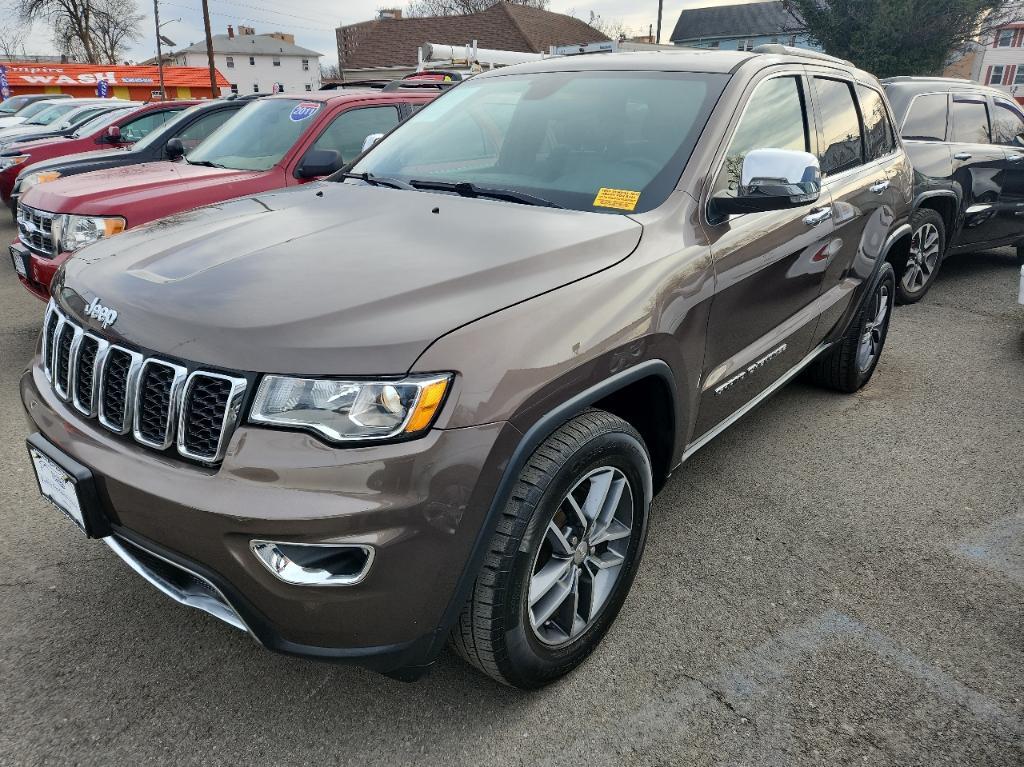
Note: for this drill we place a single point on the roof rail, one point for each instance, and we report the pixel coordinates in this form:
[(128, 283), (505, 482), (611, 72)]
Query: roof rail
[(790, 50), (376, 84), (397, 85)]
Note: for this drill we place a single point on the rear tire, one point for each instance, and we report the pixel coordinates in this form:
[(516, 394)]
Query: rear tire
[(852, 361), (917, 272), (563, 557)]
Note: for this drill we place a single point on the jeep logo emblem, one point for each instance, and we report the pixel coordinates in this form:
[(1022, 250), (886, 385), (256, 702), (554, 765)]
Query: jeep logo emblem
[(102, 314)]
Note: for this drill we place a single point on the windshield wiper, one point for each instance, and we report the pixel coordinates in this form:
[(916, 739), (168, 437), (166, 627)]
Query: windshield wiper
[(204, 163), (373, 180), (469, 189)]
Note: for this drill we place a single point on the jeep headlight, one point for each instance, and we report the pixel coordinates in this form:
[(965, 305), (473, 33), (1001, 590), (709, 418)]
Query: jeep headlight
[(9, 161), (75, 232), (351, 410), (30, 180)]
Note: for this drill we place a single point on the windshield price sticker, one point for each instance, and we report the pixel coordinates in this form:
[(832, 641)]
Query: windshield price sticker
[(620, 199), (303, 111)]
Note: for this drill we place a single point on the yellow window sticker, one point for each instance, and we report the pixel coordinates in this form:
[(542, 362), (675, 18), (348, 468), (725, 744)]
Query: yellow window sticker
[(620, 199)]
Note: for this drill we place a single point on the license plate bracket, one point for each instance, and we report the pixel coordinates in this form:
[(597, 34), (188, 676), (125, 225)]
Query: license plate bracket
[(68, 485), (19, 258)]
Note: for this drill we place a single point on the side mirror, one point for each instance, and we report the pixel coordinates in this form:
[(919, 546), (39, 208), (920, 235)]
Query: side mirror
[(174, 150), (771, 179), (370, 140), (113, 135), (319, 162)]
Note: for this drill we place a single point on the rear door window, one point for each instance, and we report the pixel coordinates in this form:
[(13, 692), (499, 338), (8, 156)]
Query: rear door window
[(970, 121), (927, 118), (774, 118), (878, 131), (842, 145)]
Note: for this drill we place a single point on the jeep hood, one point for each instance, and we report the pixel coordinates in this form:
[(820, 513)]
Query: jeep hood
[(124, 190), (331, 278)]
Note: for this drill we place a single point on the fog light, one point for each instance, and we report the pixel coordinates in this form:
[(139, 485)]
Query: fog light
[(315, 564)]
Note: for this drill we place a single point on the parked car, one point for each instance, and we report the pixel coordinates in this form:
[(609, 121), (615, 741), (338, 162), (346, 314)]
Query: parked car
[(190, 126), (436, 393), (19, 108), (966, 142), (274, 142), (60, 119), (14, 104), (128, 127)]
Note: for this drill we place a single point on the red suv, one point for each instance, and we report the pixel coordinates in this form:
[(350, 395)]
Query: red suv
[(272, 143), (120, 128)]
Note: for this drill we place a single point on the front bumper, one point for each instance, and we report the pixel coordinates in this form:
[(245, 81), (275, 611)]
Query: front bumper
[(41, 272), (419, 504)]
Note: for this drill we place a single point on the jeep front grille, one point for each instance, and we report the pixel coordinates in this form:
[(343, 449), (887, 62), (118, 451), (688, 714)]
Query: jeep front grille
[(160, 403), (35, 230)]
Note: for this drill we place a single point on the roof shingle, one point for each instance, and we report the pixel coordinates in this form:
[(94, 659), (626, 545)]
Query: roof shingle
[(740, 20), (394, 42)]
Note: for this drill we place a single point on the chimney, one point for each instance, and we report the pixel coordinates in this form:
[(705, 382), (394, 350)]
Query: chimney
[(231, 32), (389, 13)]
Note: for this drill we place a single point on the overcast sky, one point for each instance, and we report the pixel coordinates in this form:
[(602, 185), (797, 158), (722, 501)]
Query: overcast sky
[(313, 21)]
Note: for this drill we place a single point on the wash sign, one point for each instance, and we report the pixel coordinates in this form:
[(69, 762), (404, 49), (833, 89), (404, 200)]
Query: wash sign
[(5, 90)]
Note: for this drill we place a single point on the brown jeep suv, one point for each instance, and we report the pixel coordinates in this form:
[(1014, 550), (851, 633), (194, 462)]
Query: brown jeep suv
[(433, 397)]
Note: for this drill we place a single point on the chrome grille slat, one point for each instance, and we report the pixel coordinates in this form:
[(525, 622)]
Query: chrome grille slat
[(35, 230), (159, 403)]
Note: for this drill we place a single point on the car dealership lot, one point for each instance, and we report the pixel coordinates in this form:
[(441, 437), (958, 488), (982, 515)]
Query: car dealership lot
[(809, 594)]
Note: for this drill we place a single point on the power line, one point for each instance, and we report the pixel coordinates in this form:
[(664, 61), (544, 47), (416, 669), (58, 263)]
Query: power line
[(270, 10), (244, 18)]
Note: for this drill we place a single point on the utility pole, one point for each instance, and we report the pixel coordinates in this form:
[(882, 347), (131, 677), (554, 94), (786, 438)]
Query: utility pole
[(214, 90), (661, 8), (159, 49)]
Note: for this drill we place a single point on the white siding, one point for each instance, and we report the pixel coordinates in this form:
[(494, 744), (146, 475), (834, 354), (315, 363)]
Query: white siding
[(262, 73)]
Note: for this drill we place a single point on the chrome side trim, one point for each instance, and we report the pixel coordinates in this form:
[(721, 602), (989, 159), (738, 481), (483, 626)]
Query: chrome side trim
[(709, 435), (177, 382), (134, 368), (219, 609), (231, 414)]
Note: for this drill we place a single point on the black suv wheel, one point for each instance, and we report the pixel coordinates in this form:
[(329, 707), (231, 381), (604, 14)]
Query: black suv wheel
[(914, 277), (564, 555)]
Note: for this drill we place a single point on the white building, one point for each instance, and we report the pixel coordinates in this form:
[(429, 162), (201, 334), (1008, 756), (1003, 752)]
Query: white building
[(257, 63), (1001, 62)]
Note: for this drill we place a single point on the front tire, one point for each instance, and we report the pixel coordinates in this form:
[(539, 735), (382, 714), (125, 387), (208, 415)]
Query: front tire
[(916, 275), (564, 555), (852, 361)]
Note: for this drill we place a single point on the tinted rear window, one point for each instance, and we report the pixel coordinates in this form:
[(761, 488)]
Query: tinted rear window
[(927, 118), (970, 122)]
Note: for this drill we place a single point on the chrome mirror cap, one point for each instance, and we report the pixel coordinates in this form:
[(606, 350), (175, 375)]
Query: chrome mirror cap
[(780, 173)]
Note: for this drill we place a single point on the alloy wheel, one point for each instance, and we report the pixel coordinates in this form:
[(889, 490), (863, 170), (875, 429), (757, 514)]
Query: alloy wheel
[(874, 331), (923, 258), (581, 557)]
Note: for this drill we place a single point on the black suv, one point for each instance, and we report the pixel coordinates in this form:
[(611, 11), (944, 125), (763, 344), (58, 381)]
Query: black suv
[(966, 142)]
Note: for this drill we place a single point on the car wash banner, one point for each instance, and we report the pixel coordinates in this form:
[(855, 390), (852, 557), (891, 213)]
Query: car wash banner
[(5, 88)]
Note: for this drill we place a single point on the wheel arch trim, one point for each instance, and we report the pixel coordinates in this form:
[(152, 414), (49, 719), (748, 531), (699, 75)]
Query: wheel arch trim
[(539, 431)]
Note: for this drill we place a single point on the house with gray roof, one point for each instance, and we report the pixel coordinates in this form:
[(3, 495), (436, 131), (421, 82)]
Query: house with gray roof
[(255, 63), (742, 26)]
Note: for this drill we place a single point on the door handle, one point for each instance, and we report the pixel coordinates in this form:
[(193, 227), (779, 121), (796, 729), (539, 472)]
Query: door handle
[(818, 216), (879, 186), (962, 156)]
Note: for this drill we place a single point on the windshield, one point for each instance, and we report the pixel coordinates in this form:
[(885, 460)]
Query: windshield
[(101, 121), (12, 105), (611, 142), (52, 114), (258, 136), (34, 108)]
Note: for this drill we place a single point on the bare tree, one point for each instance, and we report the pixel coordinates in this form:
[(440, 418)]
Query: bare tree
[(12, 37), (613, 28), (116, 24), (462, 7), (330, 72)]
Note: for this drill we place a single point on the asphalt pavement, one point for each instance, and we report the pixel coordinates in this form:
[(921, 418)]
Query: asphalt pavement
[(836, 580)]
